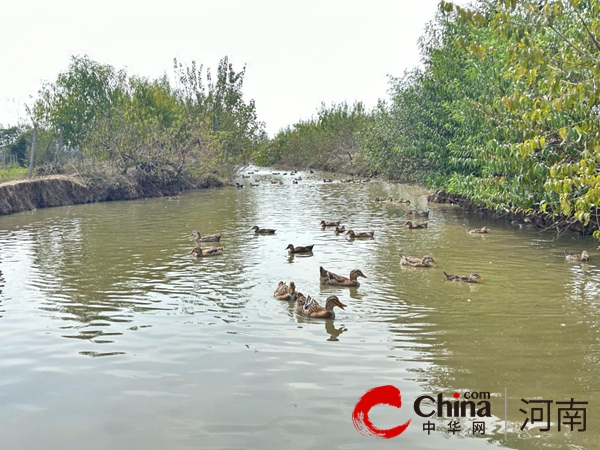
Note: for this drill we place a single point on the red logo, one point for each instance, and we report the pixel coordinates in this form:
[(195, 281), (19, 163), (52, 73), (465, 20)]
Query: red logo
[(381, 395)]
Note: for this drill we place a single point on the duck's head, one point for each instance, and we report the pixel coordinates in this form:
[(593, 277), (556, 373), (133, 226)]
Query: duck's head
[(428, 259), (475, 276), (408, 223), (290, 247), (332, 301), (195, 233), (585, 255), (350, 233), (255, 228), (357, 273)]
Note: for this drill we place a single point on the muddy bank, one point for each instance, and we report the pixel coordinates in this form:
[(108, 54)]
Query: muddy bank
[(61, 190), (535, 219)]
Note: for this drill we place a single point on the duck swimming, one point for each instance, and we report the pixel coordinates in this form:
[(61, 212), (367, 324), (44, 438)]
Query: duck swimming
[(412, 261), (333, 279), (571, 257), (472, 278), (201, 252), (263, 230), (300, 249), (309, 307), (208, 238)]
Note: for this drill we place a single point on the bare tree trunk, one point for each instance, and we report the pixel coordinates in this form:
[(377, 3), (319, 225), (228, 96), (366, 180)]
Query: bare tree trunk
[(32, 150)]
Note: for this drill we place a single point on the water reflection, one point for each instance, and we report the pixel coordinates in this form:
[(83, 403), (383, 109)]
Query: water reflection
[(333, 331)]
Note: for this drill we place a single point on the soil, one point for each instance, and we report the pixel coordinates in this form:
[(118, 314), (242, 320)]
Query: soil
[(61, 190)]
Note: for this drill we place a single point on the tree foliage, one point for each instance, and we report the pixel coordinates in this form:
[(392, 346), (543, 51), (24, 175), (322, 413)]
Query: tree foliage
[(333, 139), (506, 109), (197, 123)]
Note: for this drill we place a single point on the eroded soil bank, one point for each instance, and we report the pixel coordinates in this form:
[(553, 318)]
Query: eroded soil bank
[(61, 190)]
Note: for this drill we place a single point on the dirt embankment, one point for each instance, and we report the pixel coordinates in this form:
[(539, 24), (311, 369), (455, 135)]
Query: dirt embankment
[(60, 190)]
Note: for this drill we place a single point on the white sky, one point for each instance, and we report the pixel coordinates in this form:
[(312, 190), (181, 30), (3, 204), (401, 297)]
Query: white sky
[(298, 54)]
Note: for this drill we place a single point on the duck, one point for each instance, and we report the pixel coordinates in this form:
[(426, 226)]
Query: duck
[(339, 229), (571, 257), (285, 292), (399, 200), (263, 230), (300, 249), (410, 225), (333, 279), (330, 224), (200, 252), (208, 238), (360, 234), (481, 230), (379, 199), (415, 213), (412, 261), (309, 307), (472, 278)]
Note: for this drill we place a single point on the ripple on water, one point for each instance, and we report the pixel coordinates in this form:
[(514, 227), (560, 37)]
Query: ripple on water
[(102, 305)]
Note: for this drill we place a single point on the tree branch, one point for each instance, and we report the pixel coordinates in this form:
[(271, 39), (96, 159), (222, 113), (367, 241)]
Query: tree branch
[(588, 31)]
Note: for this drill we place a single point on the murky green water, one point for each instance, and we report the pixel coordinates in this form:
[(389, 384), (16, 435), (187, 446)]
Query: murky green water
[(113, 336)]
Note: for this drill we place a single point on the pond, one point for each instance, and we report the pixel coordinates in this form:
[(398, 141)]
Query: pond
[(115, 336)]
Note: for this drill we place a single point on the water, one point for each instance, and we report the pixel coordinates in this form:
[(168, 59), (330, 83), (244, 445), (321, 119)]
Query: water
[(114, 336)]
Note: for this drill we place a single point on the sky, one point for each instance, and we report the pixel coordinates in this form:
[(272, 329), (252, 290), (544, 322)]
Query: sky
[(298, 54)]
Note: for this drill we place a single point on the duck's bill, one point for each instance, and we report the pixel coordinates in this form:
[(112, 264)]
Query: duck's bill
[(434, 261), (479, 277), (341, 305)]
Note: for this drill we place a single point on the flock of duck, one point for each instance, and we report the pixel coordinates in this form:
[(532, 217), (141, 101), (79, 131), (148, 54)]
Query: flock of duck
[(310, 307)]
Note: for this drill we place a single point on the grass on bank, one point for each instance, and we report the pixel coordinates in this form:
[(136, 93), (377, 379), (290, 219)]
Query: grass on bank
[(12, 173)]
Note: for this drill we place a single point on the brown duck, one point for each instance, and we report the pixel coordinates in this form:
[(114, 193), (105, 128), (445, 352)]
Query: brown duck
[(209, 238), (419, 226), (482, 230), (330, 224), (360, 234), (300, 249), (333, 279), (339, 229), (285, 292), (201, 252), (309, 307), (412, 261), (472, 278), (571, 257), (263, 230)]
